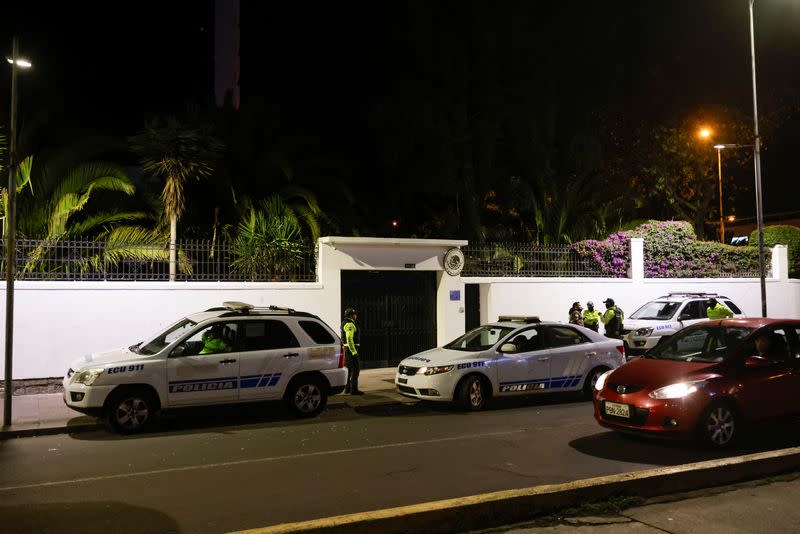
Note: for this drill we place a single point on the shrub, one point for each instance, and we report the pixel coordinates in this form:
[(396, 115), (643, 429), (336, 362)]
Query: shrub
[(782, 235), (671, 250)]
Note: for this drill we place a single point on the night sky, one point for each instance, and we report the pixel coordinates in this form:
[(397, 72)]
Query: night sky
[(324, 68)]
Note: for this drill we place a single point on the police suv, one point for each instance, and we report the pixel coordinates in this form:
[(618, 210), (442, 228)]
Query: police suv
[(258, 354), (660, 318), (514, 356)]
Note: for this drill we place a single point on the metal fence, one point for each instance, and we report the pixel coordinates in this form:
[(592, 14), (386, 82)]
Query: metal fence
[(197, 260), (523, 259)]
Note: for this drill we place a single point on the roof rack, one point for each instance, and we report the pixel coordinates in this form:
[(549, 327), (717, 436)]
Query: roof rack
[(520, 318), (234, 305), (693, 293)]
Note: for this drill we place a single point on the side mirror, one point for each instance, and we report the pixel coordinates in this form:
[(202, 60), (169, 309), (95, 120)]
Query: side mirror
[(685, 317), (508, 347), (756, 361), (177, 351)]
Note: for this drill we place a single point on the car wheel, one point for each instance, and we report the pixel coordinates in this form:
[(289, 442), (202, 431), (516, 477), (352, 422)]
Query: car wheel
[(591, 380), (719, 426), (473, 393), (129, 411), (307, 397)]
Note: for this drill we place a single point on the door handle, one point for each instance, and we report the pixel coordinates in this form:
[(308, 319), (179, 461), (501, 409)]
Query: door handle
[(591, 354), (543, 359), (227, 361), (291, 355)]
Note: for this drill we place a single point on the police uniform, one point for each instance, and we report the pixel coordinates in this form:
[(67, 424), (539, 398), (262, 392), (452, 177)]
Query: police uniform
[(351, 338), (612, 319), (591, 318)]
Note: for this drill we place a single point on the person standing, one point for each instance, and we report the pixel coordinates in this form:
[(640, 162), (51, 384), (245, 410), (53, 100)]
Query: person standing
[(715, 310), (612, 319), (575, 315), (591, 317), (351, 339)]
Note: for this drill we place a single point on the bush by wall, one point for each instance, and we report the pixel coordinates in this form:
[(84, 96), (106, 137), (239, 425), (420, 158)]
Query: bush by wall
[(671, 250), (782, 235)]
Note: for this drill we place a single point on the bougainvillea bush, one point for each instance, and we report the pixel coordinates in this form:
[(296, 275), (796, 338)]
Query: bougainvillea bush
[(671, 250)]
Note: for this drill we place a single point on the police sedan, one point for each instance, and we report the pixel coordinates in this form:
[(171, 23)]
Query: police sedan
[(514, 356)]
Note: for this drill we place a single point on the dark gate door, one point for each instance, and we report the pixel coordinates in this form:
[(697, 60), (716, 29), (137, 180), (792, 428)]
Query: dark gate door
[(396, 313), (472, 300)]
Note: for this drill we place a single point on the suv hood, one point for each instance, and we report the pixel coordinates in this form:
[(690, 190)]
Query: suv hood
[(653, 374), (101, 359), (441, 356)]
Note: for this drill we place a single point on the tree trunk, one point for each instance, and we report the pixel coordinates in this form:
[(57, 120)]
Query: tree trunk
[(173, 237)]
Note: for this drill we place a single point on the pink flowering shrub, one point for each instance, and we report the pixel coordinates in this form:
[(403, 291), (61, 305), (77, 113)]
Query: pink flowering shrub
[(671, 250)]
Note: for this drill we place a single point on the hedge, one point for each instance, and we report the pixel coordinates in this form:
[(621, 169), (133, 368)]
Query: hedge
[(782, 235)]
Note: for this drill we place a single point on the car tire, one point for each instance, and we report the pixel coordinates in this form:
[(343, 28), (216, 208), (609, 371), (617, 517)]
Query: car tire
[(130, 410), (591, 380), (719, 426), (307, 396), (473, 393)]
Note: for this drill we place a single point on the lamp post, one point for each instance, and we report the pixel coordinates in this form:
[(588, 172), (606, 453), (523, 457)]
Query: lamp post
[(16, 63), (757, 163)]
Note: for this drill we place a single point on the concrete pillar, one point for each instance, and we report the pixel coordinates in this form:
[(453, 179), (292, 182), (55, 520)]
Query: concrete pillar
[(637, 259), (780, 262)]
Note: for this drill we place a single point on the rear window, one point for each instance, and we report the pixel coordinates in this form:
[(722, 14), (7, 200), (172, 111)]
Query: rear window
[(733, 307), (317, 332)]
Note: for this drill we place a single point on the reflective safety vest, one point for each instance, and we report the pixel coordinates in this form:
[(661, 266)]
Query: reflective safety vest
[(718, 312), (591, 317), (613, 321), (351, 336)]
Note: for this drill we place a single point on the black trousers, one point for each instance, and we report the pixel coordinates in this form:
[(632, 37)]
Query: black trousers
[(353, 369)]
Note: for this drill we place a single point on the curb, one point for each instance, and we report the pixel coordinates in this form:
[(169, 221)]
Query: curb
[(49, 431), (515, 506)]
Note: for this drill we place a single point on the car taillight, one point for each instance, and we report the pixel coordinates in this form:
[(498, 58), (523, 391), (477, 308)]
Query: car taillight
[(341, 355), (621, 349)]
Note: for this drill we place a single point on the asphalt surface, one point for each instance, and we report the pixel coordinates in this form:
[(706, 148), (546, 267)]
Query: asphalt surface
[(224, 469)]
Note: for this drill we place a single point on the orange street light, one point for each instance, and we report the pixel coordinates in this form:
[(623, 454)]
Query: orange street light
[(731, 218), (704, 133)]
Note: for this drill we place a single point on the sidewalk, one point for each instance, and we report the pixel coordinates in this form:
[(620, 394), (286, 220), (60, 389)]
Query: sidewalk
[(46, 413)]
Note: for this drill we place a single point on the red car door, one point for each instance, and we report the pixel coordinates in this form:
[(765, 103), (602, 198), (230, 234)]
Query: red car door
[(770, 389)]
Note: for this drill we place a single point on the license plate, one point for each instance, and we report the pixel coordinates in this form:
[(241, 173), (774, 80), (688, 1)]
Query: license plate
[(402, 380), (619, 410)]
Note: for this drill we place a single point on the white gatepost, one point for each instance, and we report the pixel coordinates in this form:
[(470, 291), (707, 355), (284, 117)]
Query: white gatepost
[(637, 260)]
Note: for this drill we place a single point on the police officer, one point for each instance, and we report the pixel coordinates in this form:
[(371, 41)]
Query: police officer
[(352, 341), (612, 319), (715, 310), (591, 317)]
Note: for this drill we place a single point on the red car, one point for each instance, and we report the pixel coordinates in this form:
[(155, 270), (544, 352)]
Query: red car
[(707, 381)]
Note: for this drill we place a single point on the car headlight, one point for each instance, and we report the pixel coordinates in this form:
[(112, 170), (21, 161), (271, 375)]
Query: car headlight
[(676, 391), (435, 370), (601, 380), (87, 377), (643, 331)]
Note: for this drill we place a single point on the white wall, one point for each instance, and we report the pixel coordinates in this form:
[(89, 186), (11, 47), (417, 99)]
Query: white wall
[(56, 322)]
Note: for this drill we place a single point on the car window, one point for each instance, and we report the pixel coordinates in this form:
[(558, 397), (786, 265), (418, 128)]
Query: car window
[(656, 310), (776, 347), (695, 309), (479, 339), (795, 333), (708, 344), (166, 337), (317, 332), (526, 340), (267, 335), (213, 339), (562, 336), (733, 307)]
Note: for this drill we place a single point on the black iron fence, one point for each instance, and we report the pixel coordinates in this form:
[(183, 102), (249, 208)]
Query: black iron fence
[(196, 260), (523, 259)]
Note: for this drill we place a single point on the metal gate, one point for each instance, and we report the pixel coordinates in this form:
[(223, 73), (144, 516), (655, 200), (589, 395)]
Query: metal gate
[(396, 313)]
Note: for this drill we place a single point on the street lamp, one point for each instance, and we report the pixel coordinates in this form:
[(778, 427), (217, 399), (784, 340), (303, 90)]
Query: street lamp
[(720, 148), (757, 163), (11, 253)]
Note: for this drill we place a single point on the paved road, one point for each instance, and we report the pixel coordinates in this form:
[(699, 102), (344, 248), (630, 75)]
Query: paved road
[(229, 469)]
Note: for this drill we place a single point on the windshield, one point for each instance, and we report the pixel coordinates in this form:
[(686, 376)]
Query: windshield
[(166, 337), (657, 310), (482, 338), (707, 344)]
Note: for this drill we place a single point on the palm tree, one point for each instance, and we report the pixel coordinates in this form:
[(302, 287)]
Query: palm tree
[(176, 153)]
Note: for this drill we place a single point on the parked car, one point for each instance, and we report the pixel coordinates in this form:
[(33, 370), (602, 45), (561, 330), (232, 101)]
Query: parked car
[(660, 318), (256, 354), (706, 381), (514, 356)]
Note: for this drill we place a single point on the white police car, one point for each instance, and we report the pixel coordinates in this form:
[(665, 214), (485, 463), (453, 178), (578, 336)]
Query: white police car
[(514, 356), (261, 354), (664, 316)]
